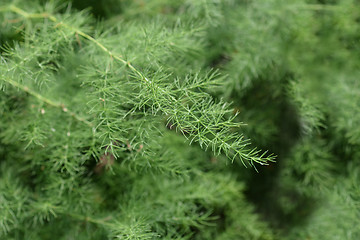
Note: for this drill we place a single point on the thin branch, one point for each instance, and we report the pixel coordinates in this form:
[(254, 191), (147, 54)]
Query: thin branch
[(47, 101), (77, 31)]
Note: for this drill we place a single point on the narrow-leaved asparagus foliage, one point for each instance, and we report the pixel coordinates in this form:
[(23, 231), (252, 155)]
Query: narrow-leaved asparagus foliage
[(132, 119)]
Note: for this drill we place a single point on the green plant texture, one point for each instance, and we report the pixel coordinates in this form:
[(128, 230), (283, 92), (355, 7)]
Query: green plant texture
[(180, 119)]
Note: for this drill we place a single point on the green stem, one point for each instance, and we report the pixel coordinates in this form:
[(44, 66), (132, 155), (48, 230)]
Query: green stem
[(46, 100), (77, 31)]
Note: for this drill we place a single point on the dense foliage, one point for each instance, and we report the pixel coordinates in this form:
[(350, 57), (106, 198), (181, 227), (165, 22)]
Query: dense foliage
[(132, 119)]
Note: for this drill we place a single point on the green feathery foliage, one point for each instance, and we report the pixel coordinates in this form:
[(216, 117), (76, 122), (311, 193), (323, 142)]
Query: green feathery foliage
[(133, 119)]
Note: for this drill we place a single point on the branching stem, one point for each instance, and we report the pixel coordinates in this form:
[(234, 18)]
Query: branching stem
[(21, 12), (46, 100)]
